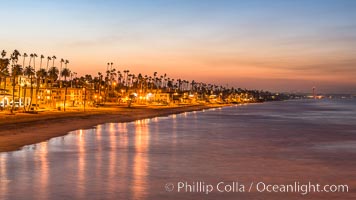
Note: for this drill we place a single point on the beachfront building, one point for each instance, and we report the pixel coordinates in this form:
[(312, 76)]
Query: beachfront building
[(141, 97), (4, 98), (10, 94), (60, 98), (41, 96)]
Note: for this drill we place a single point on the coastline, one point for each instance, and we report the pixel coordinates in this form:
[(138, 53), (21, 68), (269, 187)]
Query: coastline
[(23, 129)]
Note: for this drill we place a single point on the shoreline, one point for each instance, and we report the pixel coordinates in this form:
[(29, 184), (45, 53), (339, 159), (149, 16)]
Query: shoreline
[(17, 131)]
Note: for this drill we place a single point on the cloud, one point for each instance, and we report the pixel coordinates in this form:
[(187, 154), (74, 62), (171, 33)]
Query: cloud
[(99, 41)]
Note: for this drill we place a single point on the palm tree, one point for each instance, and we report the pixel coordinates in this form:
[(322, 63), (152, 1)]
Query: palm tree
[(46, 80), (48, 59), (119, 78), (29, 72), (100, 79), (40, 79), (4, 63), (125, 77), (24, 58), (41, 75), (60, 69), (42, 56), (34, 69), (53, 58), (66, 62), (107, 77), (31, 56), (4, 69), (16, 71), (34, 61), (154, 78), (3, 53), (65, 73), (53, 76), (73, 74)]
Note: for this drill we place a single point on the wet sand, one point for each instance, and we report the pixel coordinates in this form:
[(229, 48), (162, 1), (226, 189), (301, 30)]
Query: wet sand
[(23, 129)]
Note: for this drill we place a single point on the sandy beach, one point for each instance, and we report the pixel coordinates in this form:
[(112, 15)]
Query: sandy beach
[(24, 129)]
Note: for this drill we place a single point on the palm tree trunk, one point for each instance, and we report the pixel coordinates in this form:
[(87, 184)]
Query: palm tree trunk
[(4, 89), (37, 89), (24, 94), (13, 99), (51, 91), (60, 76), (13, 95), (85, 97), (31, 94), (65, 98), (20, 93)]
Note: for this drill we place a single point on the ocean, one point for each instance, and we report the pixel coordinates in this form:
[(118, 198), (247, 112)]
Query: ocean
[(303, 149)]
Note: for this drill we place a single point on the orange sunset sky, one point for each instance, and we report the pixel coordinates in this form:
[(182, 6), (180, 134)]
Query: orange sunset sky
[(273, 45)]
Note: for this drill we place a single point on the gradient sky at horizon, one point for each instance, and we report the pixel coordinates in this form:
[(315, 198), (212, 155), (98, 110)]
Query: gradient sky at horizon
[(277, 45)]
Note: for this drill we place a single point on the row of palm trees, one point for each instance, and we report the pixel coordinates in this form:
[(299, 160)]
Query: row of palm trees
[(111, 85), (114, 83), (10, 67), (129, 81)]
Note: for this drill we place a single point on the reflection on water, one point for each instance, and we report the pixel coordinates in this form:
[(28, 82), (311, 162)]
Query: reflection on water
[(112, 152), (141, 159), (3, 176), (278, 142), (81, 165), (41, 155)]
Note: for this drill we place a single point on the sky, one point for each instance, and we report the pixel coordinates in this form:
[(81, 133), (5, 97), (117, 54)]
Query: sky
[(275, 45)]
